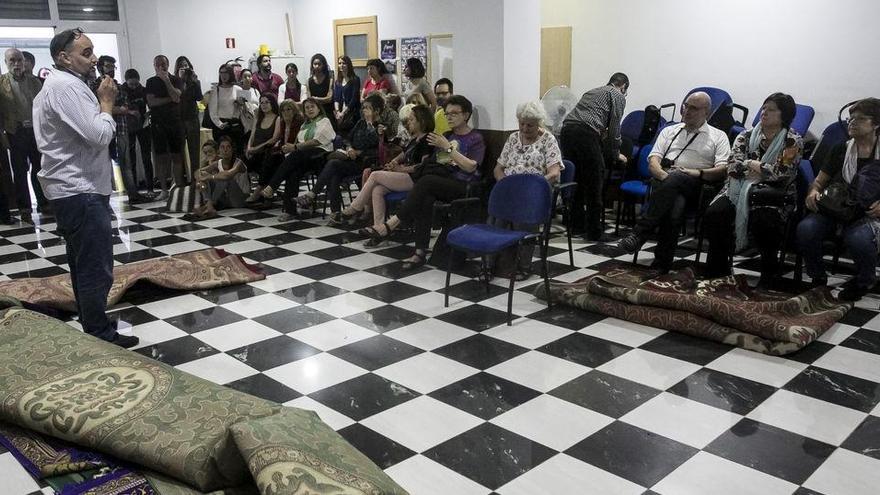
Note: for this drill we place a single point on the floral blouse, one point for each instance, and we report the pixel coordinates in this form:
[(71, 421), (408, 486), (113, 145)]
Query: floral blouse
[(535, 158), (782, 172)]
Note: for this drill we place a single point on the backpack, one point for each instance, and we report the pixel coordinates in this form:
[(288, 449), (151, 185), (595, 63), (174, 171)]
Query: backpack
[(650, 125)]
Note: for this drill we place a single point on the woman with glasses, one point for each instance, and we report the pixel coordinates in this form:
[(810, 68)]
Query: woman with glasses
[(223, 108), (860, 235), (265, 133), (766, 157), (453, 164)]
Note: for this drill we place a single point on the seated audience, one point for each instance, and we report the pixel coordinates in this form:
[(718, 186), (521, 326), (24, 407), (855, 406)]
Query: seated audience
[(684, 157), (530, 150), (206, 162), (224, 109), (378, 79), (266, 81), (397, 175), (454, 164), (442, 91), (314, 141), (346, 95), (846, 161), (226, 182), (769, 154), (415, 73), (265, 133), (361, 154), (292, 88)]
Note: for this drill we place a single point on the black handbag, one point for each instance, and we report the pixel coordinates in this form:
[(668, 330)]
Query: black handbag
[(836, 201), (768, 194), (431, 168)]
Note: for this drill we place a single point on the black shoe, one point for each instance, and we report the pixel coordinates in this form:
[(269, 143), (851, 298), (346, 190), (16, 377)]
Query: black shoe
[(631, 243), (125, 341), (7, 220), (596, 237), (853, 293)]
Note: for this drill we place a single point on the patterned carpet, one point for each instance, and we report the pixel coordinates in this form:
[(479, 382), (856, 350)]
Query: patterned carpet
[(451, 400)]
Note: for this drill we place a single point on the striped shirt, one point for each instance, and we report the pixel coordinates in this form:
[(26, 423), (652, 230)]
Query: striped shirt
[(601, 110), (73, 135)]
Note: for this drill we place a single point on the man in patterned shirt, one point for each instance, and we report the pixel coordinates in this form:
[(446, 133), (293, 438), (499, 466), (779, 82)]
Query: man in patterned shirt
[(595, 118)]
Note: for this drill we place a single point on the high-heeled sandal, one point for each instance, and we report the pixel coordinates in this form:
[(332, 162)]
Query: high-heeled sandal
[(417, 261)]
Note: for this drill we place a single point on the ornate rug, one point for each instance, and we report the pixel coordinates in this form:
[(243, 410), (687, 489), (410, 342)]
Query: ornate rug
[(70, 386), (725, 310), (196, 270)]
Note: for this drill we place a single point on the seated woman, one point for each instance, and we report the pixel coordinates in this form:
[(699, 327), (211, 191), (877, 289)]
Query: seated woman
[(291, 120), (206, 164), (314, 140), (530, 150), (265, 133), (859, 236), (768, 154), (445, 176), (352, 161), (397, 176), (226, 182)]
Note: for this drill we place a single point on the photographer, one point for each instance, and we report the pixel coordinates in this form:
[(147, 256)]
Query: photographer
[(684, 156), (189, 110)]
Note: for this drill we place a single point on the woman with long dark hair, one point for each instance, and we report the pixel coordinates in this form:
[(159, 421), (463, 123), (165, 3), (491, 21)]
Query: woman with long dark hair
[(346, 95), (378, 79), (265, 133), (292, 88), (321, 87), (189, 110), (418, 83)]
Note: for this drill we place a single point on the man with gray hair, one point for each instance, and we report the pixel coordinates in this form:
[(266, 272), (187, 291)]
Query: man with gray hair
[(685, 156), (18, 87)]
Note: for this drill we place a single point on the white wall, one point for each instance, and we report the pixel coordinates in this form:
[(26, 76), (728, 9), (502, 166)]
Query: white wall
[(522, 56), (476, 26), (820, 52), (144, 37)]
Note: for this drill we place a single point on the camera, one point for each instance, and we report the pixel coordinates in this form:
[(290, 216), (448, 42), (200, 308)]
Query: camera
[(666, 163)]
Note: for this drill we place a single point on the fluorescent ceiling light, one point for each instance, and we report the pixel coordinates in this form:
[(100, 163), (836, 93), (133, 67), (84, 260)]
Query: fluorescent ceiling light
[(88, 9)]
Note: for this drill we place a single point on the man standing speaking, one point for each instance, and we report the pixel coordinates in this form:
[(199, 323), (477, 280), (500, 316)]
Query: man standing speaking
[(73, 129)]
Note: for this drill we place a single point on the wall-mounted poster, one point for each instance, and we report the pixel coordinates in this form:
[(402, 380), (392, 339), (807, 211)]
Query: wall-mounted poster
[(389, 49), (414, 48)]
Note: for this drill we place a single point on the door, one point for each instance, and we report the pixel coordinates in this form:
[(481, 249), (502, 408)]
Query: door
[(357, 37), (555, 57)]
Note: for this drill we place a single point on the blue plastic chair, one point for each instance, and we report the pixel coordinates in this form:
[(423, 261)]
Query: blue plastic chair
[(803, 117), (833, 135), (523, 199), (636, 190), (721, 98), (565, 190)]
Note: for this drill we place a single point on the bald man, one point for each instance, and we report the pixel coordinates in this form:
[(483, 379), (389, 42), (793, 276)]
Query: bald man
[(18, 87), (685, 156)]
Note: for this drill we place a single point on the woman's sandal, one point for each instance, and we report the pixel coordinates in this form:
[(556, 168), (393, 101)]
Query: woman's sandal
[(417, 261), (340, 218)]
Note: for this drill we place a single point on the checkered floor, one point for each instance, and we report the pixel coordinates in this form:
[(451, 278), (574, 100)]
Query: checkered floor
[(452, 401)]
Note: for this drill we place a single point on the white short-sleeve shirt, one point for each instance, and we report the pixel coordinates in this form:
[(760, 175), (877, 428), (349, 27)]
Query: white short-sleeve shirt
[(709, 148)]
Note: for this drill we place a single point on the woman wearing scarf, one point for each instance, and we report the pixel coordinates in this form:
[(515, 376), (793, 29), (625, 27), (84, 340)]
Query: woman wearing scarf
[(859, 236), (313, 142), (769, 154)]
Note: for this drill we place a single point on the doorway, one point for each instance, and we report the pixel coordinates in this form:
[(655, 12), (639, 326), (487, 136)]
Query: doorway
[(357, 37)]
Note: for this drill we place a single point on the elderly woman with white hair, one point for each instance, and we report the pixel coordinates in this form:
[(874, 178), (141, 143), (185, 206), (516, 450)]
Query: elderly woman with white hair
[(530, 150)]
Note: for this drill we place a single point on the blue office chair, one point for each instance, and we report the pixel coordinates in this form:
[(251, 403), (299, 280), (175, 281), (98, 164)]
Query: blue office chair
[(636, 190), (721, 113), (523, 199), (564, 190), (833, 135)]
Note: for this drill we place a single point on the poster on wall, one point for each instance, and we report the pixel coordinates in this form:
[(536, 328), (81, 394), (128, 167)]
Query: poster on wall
[(388, 54), (414, 48)]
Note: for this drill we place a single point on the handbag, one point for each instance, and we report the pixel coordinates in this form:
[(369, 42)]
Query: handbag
[(837, 202), (768, 194), (431, 168), (183, 199)]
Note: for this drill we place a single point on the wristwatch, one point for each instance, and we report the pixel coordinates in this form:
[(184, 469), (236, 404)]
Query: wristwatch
[(449, 149)]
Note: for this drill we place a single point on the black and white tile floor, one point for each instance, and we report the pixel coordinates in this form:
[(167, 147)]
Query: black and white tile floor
[(452, 401)]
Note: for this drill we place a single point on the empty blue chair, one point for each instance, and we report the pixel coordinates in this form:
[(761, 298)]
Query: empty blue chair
[(522, 199), (636, 190)]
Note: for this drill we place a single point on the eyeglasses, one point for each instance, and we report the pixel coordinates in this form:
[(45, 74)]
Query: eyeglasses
[(454, 113), (860, 118), (687, 106)]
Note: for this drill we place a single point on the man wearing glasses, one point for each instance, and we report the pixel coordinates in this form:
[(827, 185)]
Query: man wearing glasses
[(73, 130), (684, 157)]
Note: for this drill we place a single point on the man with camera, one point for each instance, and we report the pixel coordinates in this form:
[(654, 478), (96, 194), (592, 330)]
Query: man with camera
[(685, 156)]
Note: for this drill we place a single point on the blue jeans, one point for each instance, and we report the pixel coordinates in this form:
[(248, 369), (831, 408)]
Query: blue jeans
[(858, 238), (84, 222)]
